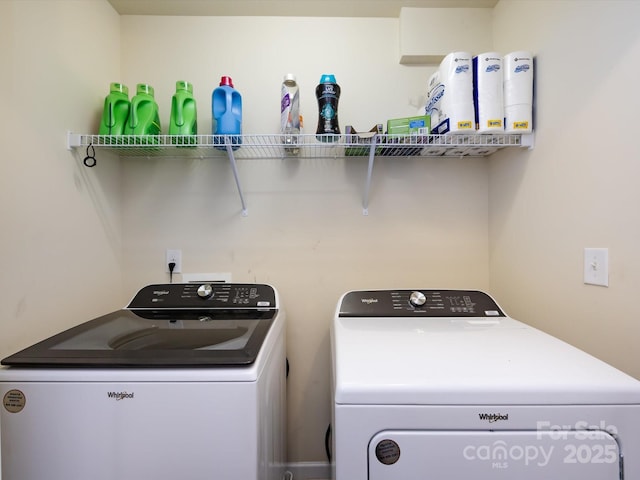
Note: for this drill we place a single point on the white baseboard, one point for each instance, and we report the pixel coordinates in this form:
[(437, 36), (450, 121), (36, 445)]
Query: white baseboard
[(309, 470)]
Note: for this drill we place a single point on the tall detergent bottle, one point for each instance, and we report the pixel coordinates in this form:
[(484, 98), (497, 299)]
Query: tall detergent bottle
[(144, 117), (290, 114), (184, 117), (328, 95), (226, 107), (116, 110)]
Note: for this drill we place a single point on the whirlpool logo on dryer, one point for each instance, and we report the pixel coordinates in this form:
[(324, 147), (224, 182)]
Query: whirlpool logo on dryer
[(493, 417), (119, 395)]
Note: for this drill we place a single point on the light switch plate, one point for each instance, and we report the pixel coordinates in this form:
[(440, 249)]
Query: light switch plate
[(596, 266)]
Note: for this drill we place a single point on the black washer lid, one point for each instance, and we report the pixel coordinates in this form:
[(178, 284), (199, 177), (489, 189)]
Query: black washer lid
[(166, 326)]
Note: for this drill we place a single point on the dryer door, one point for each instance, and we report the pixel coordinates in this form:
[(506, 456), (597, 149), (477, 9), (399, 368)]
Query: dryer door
[(494, 455)]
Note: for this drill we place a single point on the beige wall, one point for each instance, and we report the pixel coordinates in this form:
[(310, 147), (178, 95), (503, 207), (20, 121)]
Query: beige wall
[(87, 239), (579, 187), (305, 232), (61, 223)]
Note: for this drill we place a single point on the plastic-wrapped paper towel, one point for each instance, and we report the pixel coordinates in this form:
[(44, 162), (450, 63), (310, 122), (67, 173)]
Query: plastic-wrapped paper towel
[(488, 92), (434, 97), (450, 95), (518, 92)]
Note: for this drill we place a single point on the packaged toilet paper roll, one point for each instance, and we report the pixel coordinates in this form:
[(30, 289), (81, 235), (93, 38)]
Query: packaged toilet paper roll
[(434, 96), (488, 92), (518, 92), (450, 95)]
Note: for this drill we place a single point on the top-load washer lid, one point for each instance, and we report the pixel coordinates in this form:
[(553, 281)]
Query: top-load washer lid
[(172, 325), (457, 347)]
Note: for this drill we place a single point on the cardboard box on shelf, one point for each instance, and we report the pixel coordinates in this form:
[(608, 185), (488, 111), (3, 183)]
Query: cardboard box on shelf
[(362, 139), (420, 125), (407, 130)]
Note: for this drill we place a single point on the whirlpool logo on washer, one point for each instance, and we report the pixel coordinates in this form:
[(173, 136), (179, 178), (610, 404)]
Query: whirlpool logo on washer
[(119, 395), (369, 301)]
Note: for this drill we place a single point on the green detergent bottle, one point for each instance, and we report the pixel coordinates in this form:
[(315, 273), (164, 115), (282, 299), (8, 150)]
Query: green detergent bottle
[(116, 110), (144, 117), (184, 118)]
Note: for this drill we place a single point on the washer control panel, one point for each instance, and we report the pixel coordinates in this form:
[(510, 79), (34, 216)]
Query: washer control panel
[(421, 303), (205, 295)]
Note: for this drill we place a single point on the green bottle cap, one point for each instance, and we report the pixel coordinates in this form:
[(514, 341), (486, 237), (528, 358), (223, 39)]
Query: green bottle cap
[(144, 88), (183, 85), (116, 87)]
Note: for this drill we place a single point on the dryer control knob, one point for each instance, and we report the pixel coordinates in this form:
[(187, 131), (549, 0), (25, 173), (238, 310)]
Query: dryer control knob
[(417, 299), (205, 291)]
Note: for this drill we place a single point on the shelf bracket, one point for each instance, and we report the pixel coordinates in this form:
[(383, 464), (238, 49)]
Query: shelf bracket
[(367, 187), (528, 140), (74, 140), (234, 167)]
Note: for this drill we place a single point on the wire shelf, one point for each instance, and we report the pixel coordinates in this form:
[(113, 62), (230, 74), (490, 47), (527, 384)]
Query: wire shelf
[(302, 146), (265, 147)]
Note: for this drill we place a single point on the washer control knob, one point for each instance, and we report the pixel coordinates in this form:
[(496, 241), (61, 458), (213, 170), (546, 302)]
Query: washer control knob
[(205, 291), (417, 299)]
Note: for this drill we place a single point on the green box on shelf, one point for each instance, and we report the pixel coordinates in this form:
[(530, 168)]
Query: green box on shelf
[(408, 130), (360, 138), (409, 125)]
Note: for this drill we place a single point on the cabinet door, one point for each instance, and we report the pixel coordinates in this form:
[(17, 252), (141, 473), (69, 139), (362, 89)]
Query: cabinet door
[(494, 455)]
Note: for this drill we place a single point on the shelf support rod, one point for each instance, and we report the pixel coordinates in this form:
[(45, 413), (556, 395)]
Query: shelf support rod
[(234, 167), (367, 187)]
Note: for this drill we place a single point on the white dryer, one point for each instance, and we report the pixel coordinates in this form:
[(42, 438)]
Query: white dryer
[(442, 384)]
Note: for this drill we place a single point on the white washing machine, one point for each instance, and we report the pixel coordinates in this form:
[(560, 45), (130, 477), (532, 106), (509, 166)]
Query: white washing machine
[(442, 384), (186, 382)]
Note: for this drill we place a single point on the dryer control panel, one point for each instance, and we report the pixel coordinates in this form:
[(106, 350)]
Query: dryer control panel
[(421, 303)]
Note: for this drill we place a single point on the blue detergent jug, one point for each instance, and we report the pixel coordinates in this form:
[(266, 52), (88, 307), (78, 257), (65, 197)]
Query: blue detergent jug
[(226, 108)]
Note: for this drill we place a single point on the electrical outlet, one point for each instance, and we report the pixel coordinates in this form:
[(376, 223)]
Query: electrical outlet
[(596, 266), (174, 256)]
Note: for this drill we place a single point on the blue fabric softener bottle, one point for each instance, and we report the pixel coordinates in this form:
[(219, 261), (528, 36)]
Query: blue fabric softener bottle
[(226, 108)]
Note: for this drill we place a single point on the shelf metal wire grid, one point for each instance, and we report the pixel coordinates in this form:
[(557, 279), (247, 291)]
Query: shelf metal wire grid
[(302, 146)]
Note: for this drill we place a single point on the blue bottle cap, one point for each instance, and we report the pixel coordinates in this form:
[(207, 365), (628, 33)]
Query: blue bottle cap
[(327, 78)]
